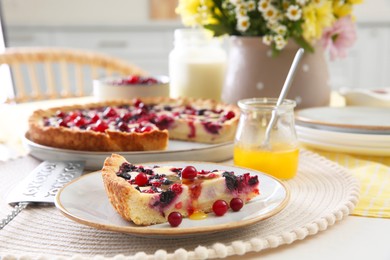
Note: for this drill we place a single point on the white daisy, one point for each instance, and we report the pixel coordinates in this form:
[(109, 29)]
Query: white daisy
[(281, 29), (243, 23), (271, 14), (251, 5), (264, 5), (240, 11), (294, 13), (280, 42), (267, 39)]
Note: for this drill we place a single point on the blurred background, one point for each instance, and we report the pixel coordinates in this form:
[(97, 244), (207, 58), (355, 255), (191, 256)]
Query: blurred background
[(142, 33)]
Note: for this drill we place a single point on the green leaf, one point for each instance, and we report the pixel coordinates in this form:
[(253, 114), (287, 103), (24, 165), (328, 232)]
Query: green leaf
[(304, 44), (218, 29)]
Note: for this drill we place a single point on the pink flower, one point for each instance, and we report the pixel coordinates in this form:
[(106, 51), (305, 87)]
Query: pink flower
[(339, 37)]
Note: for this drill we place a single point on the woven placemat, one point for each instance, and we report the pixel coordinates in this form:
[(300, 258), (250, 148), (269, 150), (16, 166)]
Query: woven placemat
[(322, 193)]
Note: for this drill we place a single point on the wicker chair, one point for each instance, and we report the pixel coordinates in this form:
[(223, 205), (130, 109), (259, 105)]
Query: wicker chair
[(49, 73)]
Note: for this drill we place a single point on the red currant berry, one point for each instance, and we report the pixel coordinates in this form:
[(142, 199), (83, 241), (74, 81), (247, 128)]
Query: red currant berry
[(176, 188), (175, 218), (146, 129), (59, 113), (123, 127), (220, 207), (138, 103), (72, 115), (229, 115), (63, 123), (236, 204), (189, 172), (141, 179), (94, 118), (133, 79), (109, 112), (100, 126), (79, 121)]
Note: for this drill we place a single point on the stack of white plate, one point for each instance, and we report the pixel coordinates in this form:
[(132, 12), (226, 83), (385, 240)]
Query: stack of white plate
[(355, 130)]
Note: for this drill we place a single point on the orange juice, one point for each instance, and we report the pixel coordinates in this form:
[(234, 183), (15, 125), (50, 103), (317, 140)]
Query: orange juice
[(280, 163)]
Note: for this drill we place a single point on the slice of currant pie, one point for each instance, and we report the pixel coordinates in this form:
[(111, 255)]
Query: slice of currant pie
[(148, 195), (133, 125)]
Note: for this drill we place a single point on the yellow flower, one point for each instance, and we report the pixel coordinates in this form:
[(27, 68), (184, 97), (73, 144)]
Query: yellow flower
[(317, 17), (195, 12), (341, 9), (354, 2)]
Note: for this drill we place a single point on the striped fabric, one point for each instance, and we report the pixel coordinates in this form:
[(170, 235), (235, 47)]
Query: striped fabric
[(374, 175)]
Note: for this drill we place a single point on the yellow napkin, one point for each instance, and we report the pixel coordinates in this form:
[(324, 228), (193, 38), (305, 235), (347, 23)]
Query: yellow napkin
[(374, 176)]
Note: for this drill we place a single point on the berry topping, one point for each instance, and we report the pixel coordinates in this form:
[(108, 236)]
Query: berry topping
[(60, 114), (236, 204), (176, 188), (79, 121), (135, 80), (94, 118), (175, 218), (138, 103), (109, 112), (229, 115), (212, 127), (163, 122), (63, 123), (123, 127), (189, 172), (167, 196), (100, 126), (220, 207), (141, 179)]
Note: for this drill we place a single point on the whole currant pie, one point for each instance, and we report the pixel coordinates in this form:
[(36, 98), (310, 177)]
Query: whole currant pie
[(149, 195), (133, 125)]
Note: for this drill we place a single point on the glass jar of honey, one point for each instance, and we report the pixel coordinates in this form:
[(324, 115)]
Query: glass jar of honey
[(279, 155)]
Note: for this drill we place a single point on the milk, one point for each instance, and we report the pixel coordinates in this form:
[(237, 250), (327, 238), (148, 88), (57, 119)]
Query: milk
[(196, 65)]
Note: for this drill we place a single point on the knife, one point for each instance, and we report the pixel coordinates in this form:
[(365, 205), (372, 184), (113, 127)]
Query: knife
[(41, 185)]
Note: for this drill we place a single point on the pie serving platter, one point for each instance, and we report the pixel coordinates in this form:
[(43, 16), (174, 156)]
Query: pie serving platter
[(177, 150), (85, 201)]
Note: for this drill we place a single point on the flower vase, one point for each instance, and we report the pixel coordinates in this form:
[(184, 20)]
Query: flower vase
[(252, 71)]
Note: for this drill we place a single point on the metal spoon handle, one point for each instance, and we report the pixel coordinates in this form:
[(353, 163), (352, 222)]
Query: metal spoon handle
[(17, 209), (283, 93)]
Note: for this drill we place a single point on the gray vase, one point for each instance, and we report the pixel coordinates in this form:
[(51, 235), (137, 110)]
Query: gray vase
[(253, 72)]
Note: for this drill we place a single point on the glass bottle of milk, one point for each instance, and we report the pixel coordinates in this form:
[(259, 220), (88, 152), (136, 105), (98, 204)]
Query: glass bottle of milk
[(196, 65)]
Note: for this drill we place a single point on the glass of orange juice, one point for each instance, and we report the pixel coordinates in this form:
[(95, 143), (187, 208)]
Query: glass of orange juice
[(280, 157)]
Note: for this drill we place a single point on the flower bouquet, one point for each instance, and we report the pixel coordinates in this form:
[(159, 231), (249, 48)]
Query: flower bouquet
[(307, 22)]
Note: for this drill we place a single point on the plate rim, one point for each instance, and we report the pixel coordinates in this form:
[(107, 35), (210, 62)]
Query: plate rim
[(361, 128), (125, 153), (144, 231), (345, 148)]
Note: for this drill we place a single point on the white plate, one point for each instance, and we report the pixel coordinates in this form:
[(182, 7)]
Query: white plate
[(351, 149), (177, 150), (346, 119), (84, 200), (341, 138)]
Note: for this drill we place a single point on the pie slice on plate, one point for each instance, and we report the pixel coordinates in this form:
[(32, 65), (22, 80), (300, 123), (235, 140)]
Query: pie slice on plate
[(148, 195)]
